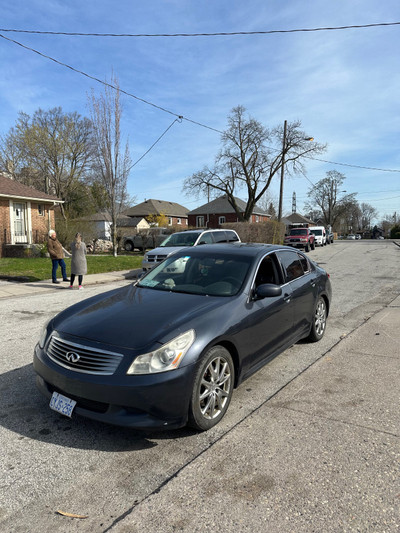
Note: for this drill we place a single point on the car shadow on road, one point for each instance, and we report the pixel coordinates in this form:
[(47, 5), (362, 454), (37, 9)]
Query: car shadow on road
[(24, 410)]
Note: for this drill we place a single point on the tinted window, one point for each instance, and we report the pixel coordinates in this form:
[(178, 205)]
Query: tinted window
[(291, 265), (267, 271), (231, 236), (304, 263), (205, 239), (180, 239), (219, 236), (298, 231)]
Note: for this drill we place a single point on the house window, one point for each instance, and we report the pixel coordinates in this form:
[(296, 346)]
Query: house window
[(200, 222), (179, 221), (221, 220), (257, 218), (40, 210), (169, 221)]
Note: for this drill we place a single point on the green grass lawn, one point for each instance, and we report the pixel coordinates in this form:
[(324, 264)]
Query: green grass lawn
[(39, 268)]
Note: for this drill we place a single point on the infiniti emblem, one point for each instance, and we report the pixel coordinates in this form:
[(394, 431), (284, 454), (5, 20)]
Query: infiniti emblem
[(72, 357)]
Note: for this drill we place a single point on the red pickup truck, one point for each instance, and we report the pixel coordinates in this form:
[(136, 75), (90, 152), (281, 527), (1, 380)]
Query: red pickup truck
[(300, 238)]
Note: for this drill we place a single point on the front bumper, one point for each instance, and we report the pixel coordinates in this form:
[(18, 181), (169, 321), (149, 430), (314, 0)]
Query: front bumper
[(296, 244), (154, 401)]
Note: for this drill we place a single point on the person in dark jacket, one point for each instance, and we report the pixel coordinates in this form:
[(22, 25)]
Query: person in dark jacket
[(56, 252), (78, 262)]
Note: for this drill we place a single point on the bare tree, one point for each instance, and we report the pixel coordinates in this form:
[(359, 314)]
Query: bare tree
[(112, 164), (368, 213), (248, 160), (270, 204), (51, 150), (327, 196)]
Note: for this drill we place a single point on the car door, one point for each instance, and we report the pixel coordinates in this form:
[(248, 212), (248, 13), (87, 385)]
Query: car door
[(302, 279), (269, 320)]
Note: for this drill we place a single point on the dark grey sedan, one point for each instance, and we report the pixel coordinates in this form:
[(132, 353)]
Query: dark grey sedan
[(169, 350)]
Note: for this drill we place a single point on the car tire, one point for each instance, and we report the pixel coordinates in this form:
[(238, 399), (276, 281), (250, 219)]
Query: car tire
[(313, 246), (128, 246), (307, 248), (212, 389), (318, 325)]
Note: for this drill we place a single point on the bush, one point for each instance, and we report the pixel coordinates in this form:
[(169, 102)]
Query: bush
[(271, 232), (395, 232)]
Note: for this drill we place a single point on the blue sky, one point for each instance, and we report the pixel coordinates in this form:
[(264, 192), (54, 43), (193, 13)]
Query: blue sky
[(343, 85)]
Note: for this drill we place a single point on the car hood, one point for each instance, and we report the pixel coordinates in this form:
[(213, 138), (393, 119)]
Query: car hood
[(136, 318), (166, 250)]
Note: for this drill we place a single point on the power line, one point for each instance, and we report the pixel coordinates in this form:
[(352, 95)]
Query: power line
[(159, 139), (178, 116), (181, 117), (213, 34), (355, 166)]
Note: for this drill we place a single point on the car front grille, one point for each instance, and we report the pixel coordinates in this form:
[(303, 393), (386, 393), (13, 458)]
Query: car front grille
[(82, 358), (156, 258)]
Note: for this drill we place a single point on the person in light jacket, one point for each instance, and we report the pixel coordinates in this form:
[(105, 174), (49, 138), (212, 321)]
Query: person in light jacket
[(78, 261), (56, 252)]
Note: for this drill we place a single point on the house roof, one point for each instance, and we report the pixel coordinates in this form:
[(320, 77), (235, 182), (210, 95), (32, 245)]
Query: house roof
[(221, 205), (157, 207), (123, 220), (10, 188), (296, 218)]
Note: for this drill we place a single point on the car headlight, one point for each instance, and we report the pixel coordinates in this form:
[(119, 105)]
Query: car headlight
[(168, 357), (43, 334)]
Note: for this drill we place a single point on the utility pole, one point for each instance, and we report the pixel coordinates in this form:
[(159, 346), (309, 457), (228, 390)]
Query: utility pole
[(282, 171)]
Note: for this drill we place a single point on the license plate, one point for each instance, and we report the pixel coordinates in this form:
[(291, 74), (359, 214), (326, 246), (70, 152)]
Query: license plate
[(62, 404)]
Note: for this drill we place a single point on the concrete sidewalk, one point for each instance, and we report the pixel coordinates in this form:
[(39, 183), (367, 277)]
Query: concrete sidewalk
[(10, 289), (322, 455)]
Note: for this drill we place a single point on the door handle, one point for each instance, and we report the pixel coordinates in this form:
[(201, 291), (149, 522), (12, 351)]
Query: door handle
[(287, 298)]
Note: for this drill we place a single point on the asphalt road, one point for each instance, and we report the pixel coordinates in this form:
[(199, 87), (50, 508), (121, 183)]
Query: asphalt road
[(122, 480)]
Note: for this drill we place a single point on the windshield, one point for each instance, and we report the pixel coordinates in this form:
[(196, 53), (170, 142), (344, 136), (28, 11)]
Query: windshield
[(180, 239), (207, 275), (316, 231), (298, 232)]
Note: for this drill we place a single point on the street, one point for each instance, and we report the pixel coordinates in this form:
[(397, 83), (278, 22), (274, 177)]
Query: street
[(107, 474)]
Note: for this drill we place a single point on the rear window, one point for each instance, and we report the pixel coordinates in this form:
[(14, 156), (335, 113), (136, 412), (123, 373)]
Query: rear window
[(301, 231)]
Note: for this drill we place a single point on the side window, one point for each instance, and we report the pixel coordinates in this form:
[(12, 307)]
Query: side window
[(219, 236), (291, 264), (231, 236), (205, 239), (304, 263), (267, 271)]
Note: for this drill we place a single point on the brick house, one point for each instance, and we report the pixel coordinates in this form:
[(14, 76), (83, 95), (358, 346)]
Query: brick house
[(26, 215), (177, 214), (220, 211)]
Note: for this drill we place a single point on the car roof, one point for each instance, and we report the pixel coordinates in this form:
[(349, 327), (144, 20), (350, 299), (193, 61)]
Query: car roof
[(199, 231), (238, 249)]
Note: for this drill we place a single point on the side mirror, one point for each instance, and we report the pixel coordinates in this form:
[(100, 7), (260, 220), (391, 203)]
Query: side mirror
[(267, 290)]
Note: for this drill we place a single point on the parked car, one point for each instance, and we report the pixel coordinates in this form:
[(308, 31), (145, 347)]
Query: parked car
[(145, 239), (320, 235), (351, 237), (301, 238), (174, 242), (169, 349), (358, 236)]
